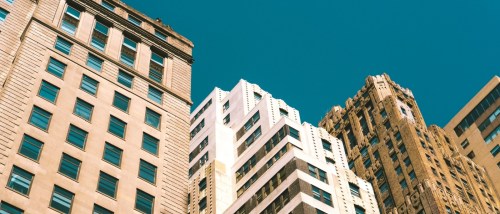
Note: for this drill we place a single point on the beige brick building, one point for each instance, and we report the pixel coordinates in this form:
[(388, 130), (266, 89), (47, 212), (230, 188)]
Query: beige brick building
[(94, 109), (413, 168), (249, 153), (476, 127)]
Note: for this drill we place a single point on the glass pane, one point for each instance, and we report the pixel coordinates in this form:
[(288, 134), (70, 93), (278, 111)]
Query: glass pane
[(155, 95), (20, 180), (6, 208), (31, 147), (107, 184), (61, 200), (77, 136), (117, 127), (147, 171), (121, 102), (112, 154), (63, 45), (56, 67), (150, 144), (101, 210), (48, 91), (152, 118), (69, 166), (83, 109), (94, 62), (125, 79), (89, 85), (144, 202), (40, 118)]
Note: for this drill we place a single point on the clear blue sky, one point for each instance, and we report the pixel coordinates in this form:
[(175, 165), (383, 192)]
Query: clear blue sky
[(315, 54)]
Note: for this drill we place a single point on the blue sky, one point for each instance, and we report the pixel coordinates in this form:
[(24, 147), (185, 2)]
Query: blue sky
[(316, 54)]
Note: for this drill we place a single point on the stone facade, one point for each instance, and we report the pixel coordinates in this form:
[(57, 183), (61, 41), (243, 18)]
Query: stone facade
[(249, 153), (413, 168), (28, 44)]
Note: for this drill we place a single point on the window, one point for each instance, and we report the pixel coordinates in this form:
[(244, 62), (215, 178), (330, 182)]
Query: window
[(150, 143), (407, 161), (364, 151), (9, 209), (48, 91), (30, 147), (402, 148), (318, 211), (77, 136), (257, 96), (197, 128), (20, 180), (367, 163), (107, 184), (156, 67), (294, 133), (147, 171), (70, 20), (99, 36), (56, 67), (465, 144), (121, 101), (144, 202), (394, 157), (125, 79), (112, 154), (70, 166), (101, 210), (354, 190), (318, 173), (3, 15), (495, 150), (155, 95), (108, 5), (204, 159), (160, 35), (225, 106), (326, 145), (388, 202), (203, 184), (379, 174), (384, 187), (322, 195), (95, 62), (89, 85), (134, 20), (83, 109), (117, 127), (403, 184), (471, 155), (412, 175), (152, 118), (62, 200), (256, 134), (374, 141), (227, 119), (40, 118), (283, 112), (129, 50), (202, 204), (63, 45), (399, 171), (492, 135), (10, 1)]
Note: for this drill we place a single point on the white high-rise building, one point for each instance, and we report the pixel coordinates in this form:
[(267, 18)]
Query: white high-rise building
[(250, 153)]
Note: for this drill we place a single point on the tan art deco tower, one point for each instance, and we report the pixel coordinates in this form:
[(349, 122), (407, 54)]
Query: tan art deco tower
[(251, 154), (413, 168), (475, 130), (94, 109)]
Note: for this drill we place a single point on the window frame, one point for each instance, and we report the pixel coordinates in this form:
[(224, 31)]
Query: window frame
[(9, 181), (117, 181), (78, 129), (66, 191), (52, 85), (59, 38), (141, 161), (91, 79), (114, 147), (36, 126), (79, 100), (23, 142), (124, 128), (154, 113), (78, 168)]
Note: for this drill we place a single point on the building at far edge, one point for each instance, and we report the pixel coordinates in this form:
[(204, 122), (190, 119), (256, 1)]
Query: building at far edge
[(249, 153), (413, 168)]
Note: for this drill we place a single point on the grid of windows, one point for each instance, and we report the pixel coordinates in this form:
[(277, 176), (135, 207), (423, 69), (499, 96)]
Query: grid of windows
[(63, 45), (125, 78), (83, 109), (77, 136), (117, 127), (99, 35), (48, 91), (121, 101), (147, 171), (89, 85), (56, 67), (20, 180), (9, 208), (155, 95), (112, 154), (150, 143), (30, 147), (70, 166), (107, 184), (144, 202), (70, 20), (40, 118), (152, 118), (94, 62), (62, 200)]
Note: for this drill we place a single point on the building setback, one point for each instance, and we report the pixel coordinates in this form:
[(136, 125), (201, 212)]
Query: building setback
[(94, 109), (475, 129), (249, 153), (413, 168)]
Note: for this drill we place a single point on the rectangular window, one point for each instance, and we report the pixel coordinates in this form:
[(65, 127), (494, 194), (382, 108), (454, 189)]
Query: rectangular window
[(107, 184), (147, 171), (495, 150), (48, 91), (399, 171), (95, 62), (121, 101), (77, 136), (155, 95), (226, 119), (101, 210), (134, 20), (465, 144), (202, 204), (40, 118), (144, 202), (403, 184), (125, 79), (160, 35), (492, 135), (117, 127), (89, 85), (56, 67), (31, 147), (412, 175), (156, 67), (152, 118), (112, 154), (150, 144), (326, 145), (359, 210), (70, 20), (3, 15), (129, 51), (225, 106), (83, 109), (108, 5), (253, 137), (20, 180), (202, 185), (62, 200), (354, 190), (63, 45), (70, 166), (99, 36), (9, 209)]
